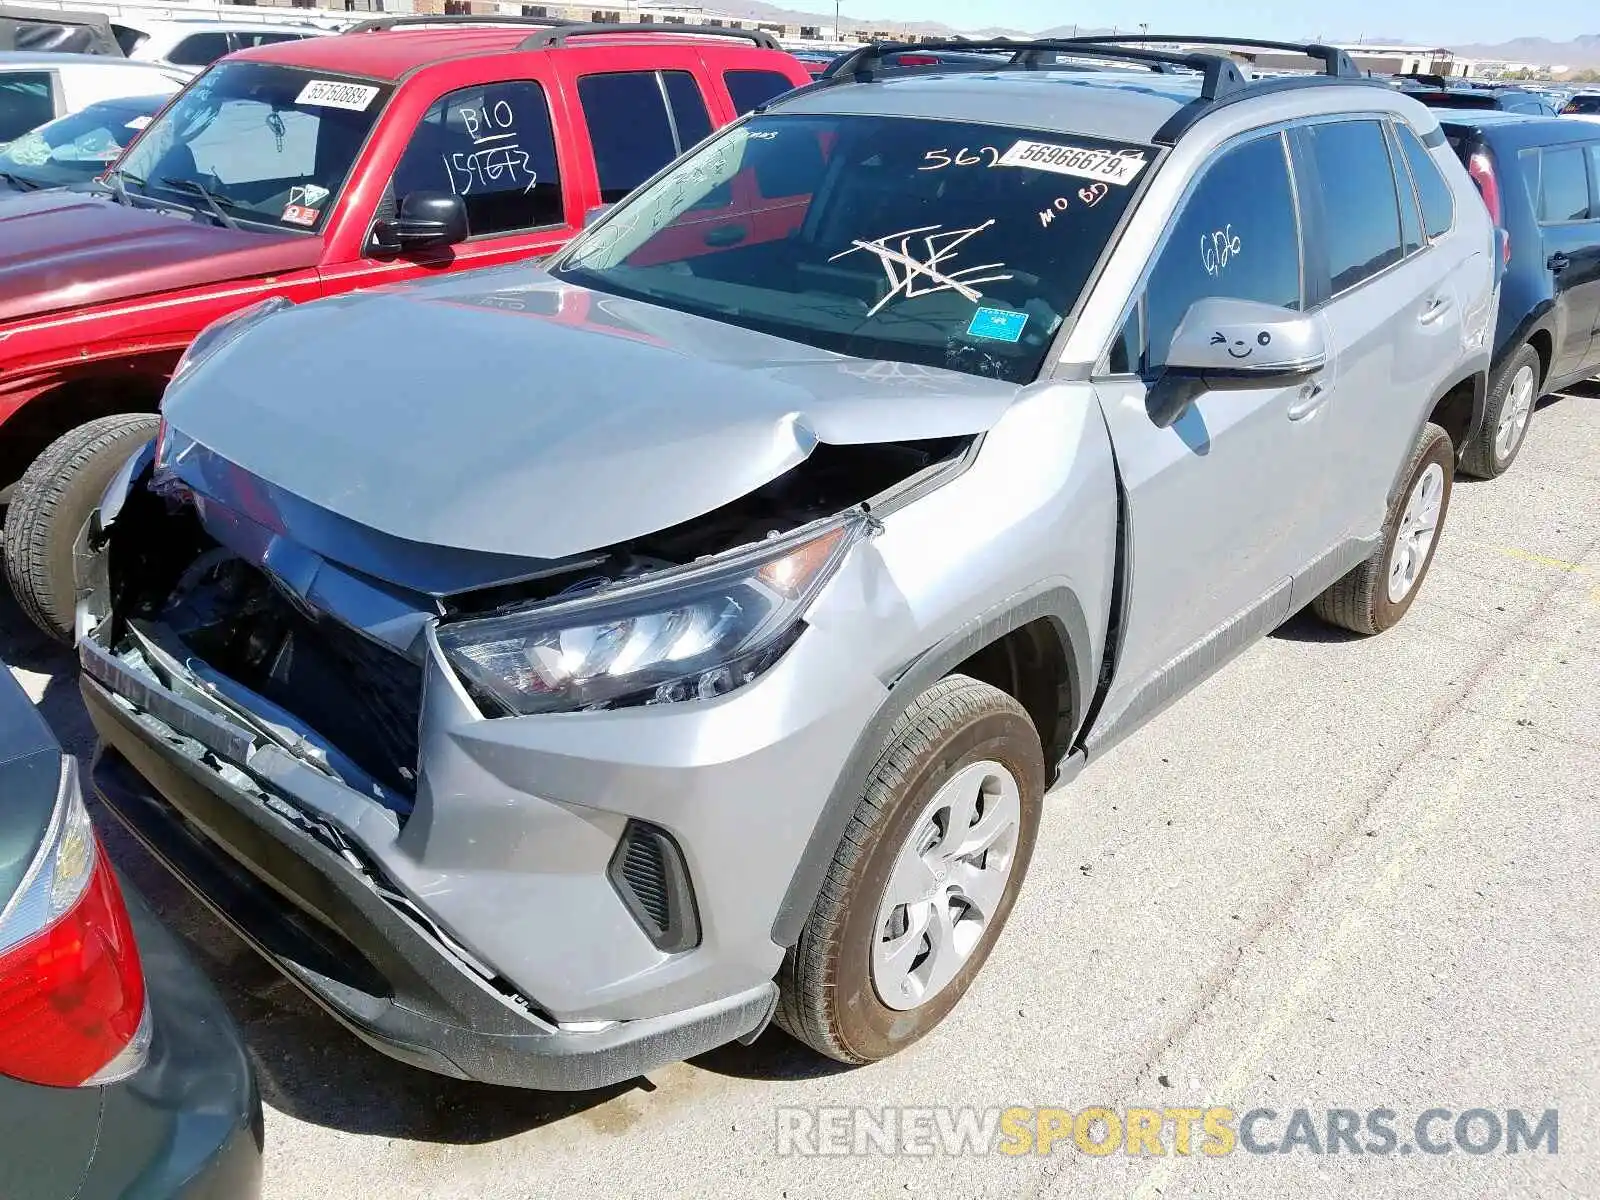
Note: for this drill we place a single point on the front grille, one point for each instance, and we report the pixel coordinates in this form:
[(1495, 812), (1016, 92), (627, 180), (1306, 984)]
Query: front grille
[(388, 690), (652, 879), (362, 697)]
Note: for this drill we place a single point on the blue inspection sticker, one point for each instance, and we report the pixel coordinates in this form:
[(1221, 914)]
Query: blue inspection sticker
[(997, 324)]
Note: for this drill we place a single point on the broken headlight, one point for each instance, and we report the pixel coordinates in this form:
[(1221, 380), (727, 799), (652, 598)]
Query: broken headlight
[(691, 633)]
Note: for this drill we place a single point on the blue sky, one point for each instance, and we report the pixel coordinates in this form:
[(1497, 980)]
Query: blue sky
[(1411, 20)]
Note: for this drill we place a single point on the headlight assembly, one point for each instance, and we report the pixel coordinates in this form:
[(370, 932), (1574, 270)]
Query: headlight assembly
[(692, 633), (220, 332)]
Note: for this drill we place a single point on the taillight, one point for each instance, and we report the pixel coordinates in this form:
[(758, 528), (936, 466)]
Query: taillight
[(72, 997), (1482, 172)]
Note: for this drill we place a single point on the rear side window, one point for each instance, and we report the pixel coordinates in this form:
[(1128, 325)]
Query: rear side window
[(25, 102), (243, 41), (639, 121), (1585, 105), (491, 145), (1563, 186), (199, 50), (1438, 201), (1237, 236), (752, 89), (1361, 215), (128, 38), (689, 116)]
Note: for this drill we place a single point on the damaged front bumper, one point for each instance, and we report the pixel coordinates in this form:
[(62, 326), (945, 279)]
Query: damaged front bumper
[(486, 930), (327, 926)]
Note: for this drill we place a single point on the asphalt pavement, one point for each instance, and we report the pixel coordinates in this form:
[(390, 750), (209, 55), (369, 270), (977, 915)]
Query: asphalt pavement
[(1343, 874)]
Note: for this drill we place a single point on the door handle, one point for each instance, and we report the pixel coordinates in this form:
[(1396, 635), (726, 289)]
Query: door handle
[(726, 235), (1434, 309), (1312, 397), (1558, 262)]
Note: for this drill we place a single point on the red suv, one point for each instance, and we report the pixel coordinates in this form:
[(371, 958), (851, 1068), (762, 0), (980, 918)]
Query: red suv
[(404, 147)]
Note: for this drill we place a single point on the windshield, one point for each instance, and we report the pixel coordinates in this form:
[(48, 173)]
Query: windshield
[(934, 242), (271, 145), (77, 147)]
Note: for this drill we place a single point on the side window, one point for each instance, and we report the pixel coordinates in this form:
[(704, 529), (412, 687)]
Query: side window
[(243, 41), (490, 144), (25, 102), (1357, 189), (1410, 215), (689, 115), (199, 50), (1563, 186), (128, 38), (752, 89), (1237, 236), (633, 130), (1438, 201)]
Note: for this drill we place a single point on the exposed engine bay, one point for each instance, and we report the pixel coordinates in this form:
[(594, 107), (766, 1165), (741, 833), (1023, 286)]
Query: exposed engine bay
[(180, 598)]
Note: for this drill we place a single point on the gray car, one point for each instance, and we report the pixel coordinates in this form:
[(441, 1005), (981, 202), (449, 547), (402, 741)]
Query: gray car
[(560, 671), (121, 1073)]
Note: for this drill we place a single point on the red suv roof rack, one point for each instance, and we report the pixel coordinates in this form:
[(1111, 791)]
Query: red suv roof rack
[(418, 20), (559, 35)]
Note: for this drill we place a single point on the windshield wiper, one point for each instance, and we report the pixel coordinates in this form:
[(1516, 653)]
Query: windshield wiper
[(116, 183), (196, 189), (18, 182)]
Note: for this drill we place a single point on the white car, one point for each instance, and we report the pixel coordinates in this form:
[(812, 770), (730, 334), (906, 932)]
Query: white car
[(193, 43), (36, 87), (1585, 106)]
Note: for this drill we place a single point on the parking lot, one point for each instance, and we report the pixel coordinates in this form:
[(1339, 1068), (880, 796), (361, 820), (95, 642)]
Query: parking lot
[(1343, 873)]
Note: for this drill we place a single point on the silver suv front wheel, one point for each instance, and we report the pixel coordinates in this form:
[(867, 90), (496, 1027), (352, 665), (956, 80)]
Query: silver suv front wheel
[(924, 879), (948, 881)]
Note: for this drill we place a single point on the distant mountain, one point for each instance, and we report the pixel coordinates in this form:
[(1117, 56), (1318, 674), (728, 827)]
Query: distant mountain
[(1581, 51)]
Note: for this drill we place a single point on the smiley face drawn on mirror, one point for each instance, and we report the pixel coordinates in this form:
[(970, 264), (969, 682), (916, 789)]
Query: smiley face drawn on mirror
[(1240, 348)]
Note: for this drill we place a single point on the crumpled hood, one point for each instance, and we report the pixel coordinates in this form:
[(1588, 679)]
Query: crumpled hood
[(507, 413), (69, 249)]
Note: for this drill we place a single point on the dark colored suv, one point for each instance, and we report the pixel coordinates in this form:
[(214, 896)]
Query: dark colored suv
[(1513, 100), (1541, 180)]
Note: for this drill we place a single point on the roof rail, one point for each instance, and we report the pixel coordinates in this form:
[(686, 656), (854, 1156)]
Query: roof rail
[(558, 36), (1223, 82), (383, 24), (1222, 74), (1334, 60)]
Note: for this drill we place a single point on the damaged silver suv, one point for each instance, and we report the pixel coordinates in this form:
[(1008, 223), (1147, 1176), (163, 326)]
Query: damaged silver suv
[(561, 671)]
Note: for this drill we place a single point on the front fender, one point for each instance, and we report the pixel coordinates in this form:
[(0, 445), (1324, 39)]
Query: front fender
[(1049, 600)]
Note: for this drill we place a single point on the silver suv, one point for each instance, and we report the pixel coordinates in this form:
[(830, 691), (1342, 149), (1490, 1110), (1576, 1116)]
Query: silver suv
[(559, 671)]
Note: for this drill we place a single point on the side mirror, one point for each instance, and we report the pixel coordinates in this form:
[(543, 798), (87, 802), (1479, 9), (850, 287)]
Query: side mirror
[(1222, 342), (426, 219), (592, 215)]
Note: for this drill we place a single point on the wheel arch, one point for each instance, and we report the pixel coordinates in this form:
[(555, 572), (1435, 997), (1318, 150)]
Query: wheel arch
[(1036, 641), (1458, 407), (98, 390)]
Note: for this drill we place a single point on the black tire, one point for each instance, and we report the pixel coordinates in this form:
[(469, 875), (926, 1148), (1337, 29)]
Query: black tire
[(1480, 459), (828, 999), (49, 505), (1360, 601)]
